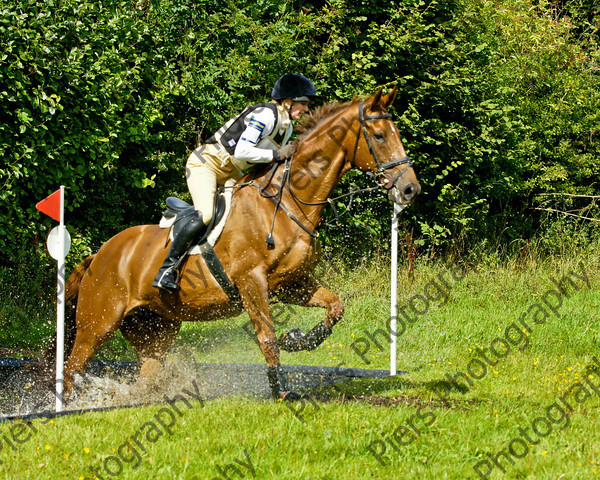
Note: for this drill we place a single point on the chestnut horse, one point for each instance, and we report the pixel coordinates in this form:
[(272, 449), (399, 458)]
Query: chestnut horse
[(113, 289)]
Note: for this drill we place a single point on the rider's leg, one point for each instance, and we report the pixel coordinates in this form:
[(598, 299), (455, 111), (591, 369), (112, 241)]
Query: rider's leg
[(202, 183), (206, 167), (185, 231), (202, 176)]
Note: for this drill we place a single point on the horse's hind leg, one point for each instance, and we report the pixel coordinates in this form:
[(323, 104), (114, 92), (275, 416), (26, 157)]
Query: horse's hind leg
[(151, 336)]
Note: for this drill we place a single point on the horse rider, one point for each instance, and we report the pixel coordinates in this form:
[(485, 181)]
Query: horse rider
[(257, 135)]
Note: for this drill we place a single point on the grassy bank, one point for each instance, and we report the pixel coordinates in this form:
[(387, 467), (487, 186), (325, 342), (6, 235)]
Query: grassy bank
[(496, 351)]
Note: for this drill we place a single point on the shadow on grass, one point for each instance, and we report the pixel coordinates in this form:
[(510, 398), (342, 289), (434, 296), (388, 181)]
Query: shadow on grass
[(394, 391)]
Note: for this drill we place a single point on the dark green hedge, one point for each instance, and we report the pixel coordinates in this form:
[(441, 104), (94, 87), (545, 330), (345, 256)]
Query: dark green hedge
[(498, 102)]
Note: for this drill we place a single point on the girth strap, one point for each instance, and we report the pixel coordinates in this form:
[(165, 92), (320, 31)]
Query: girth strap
[(216, 268)]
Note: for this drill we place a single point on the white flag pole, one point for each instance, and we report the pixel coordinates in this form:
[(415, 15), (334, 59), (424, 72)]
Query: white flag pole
[(60, 303), (394, 288)]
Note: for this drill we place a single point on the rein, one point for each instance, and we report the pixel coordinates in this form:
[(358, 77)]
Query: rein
[(285, 180)]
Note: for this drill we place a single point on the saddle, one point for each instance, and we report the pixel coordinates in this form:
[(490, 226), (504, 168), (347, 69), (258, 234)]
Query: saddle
[(178, 209)]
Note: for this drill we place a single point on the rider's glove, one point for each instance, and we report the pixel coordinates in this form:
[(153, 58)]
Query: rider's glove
[(283, 153)]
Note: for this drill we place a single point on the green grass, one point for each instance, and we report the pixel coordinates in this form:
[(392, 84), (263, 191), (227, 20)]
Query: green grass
[(329, 437)]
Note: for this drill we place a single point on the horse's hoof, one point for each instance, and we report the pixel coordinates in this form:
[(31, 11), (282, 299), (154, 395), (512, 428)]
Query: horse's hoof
[(150, 368), (291, 396), (292, 341)]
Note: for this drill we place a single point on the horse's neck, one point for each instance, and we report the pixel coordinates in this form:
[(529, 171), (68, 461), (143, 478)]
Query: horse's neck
[(321, 161), (319, 164)]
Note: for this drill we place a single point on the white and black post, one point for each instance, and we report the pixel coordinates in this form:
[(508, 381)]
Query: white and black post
[(394, 288), (59, 243)]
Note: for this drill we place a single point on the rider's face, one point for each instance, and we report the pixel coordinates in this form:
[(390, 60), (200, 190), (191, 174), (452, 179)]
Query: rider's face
[(297, 108)]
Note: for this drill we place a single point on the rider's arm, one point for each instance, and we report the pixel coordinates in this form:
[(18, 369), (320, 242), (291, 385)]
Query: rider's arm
[(259, 124)]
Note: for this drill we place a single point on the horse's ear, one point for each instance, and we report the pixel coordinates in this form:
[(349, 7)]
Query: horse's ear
[(384, 101), (388, 99), (377, 99)]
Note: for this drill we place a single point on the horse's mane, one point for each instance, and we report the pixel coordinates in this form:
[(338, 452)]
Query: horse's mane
[(309, 123), (317, 118)]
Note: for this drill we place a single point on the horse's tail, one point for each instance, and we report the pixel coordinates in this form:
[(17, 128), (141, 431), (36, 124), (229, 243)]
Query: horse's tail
[(71, 294)]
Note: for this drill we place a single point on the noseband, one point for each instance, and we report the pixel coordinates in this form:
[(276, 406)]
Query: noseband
[(381, 169)]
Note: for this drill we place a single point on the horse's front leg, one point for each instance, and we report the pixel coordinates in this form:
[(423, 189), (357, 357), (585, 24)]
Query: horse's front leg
[(255, 298), (309, 293)]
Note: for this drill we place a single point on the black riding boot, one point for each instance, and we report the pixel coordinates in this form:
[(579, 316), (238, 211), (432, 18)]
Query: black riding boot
[(185, 231)]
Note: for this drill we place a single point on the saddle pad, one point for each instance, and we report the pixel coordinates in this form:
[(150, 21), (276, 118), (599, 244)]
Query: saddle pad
[(218, 228)]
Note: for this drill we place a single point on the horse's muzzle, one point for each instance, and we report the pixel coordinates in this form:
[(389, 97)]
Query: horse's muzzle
[(403, 193)]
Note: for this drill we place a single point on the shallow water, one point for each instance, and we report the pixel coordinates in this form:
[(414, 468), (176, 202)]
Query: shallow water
[(114, 384)]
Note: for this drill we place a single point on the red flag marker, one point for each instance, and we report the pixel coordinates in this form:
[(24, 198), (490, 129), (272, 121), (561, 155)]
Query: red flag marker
[(51, 205)]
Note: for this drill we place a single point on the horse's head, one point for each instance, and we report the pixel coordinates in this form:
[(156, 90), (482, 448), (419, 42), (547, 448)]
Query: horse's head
[(378, 149)]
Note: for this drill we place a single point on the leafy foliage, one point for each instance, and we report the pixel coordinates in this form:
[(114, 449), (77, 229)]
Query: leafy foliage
[(498, 103), (81, 85)]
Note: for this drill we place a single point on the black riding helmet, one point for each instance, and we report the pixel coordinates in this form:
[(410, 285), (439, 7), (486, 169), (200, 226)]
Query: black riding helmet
[(294, 86)]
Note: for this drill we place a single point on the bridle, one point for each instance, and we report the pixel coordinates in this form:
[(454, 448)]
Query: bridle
[(285, 179), (381, 169)]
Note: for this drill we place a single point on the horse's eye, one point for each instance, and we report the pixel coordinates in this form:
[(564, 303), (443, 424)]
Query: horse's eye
[(379, 136)]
